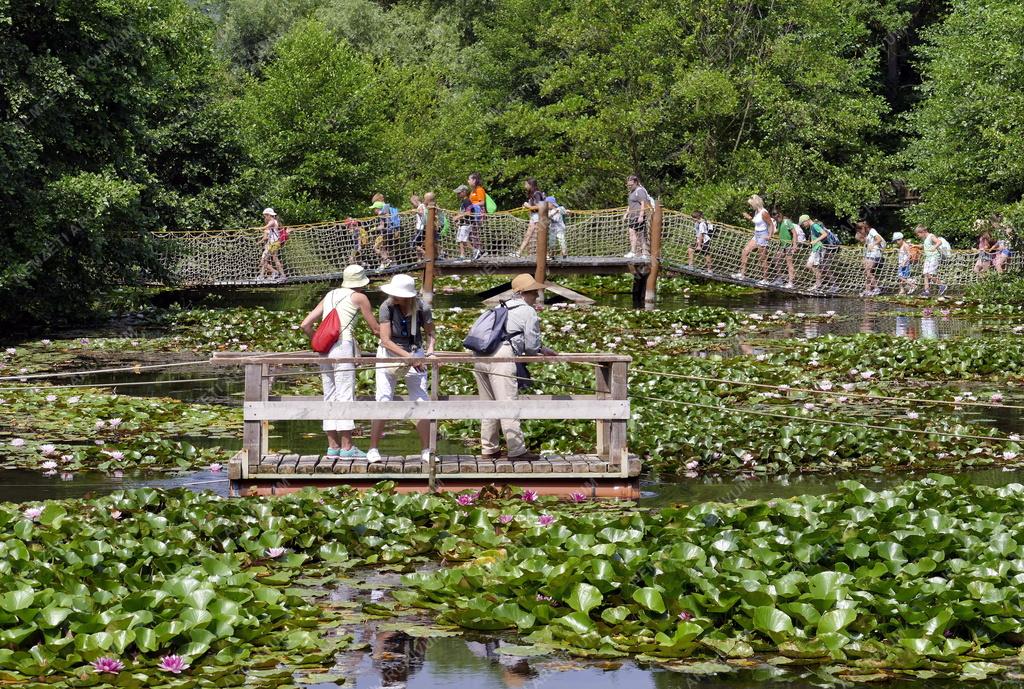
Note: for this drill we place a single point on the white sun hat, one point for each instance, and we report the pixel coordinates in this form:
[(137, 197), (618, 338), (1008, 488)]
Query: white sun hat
[(354, 276), (269, 211), (401, 285)]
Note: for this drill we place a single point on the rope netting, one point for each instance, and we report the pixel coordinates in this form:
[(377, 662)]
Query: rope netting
[(321, 251)]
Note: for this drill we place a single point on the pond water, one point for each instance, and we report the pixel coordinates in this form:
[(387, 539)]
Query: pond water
[(399, 660)]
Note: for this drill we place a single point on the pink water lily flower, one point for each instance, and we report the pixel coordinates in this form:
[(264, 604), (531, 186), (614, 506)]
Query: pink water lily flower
[(49, 464), (114, 423), (17, 442), (912, 415), (530, 495), (32, 513), (685, 615), (1008, 455), (506, 518), (867, 374), (51, 398), (173, 664), (825, 385), (466, 499), (692, 464), (275, 553), (115, 514), (114, 454), (545, 520), (107, 665), (577, 497), (215, 467), (996, 397)]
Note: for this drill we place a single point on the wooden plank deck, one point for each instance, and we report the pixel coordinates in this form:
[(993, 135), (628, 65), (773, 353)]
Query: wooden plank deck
[(339, 469)]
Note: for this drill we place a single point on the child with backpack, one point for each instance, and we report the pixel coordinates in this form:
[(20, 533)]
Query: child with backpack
[(817, 235), (701, 242), (556, 228), (935, 249), (908, 255), (389, 221), (874, 243), (468, 221)]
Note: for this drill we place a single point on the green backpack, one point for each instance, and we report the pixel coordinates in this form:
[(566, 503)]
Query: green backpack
[(489, 204)]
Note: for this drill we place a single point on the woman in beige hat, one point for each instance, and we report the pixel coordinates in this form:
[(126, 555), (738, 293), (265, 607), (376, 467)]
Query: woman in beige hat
[(498, 381), (406, 336), (339, 380)]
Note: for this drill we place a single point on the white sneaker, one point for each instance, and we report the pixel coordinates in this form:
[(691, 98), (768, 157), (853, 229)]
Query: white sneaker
[(629, 255), (372, 455), (738, 276), (763, 283), (425, 455), (788, 285)]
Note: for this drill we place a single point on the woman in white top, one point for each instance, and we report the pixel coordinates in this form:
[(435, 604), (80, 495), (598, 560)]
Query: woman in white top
[(764, 229), (873, 245), (340, 380), (270, 261)]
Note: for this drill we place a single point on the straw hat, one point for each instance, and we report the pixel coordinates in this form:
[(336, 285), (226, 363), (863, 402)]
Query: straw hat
[(401, 285), (524, 282), (354, 276)]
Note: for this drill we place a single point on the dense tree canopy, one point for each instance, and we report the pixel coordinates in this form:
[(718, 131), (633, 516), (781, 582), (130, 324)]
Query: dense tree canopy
[(125, 116)]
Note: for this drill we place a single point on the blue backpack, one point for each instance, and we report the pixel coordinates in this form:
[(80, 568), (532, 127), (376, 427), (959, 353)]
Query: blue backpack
[(831, 239), (396, 219), (488, 331)]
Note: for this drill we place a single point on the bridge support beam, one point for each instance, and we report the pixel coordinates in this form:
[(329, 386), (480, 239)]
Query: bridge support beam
[(541, 272), (651, 294), (430, 259)]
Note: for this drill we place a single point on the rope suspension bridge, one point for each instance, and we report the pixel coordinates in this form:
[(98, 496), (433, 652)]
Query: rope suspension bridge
[(592, 242)]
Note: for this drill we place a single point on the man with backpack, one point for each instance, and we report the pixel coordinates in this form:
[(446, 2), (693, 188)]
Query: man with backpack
[(510, 329), (935, 249)]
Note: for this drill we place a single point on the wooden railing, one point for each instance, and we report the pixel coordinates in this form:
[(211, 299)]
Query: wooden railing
[(608, 406)]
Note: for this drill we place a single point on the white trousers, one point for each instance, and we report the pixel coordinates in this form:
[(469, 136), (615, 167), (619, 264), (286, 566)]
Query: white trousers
[(388, 374), (339, 383)]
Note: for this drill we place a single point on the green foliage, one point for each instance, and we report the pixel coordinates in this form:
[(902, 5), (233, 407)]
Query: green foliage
[(968, 155), (889, 576), (996, 290)]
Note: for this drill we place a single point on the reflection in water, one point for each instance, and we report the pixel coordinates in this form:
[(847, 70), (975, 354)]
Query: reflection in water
[(397, 656), (929, 329)]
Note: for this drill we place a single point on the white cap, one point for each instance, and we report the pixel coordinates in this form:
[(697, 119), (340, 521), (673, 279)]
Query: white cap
[(897, 237), (401, 285), (269, 211)]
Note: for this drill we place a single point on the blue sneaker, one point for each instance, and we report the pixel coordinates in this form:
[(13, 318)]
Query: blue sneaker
[(334, 452), (352, 453)]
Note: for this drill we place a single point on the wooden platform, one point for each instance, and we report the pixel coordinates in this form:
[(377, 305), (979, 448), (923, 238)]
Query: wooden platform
[(591, 475)]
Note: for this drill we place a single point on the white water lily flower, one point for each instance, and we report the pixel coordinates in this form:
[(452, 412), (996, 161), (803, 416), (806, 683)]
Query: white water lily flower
[(74, 399), (114, 423), (100, 424), (825, 385), (692, 464), (17, 442), (12, 350), (867, 374), (912, 415), (114, 454), (808, 406), (1008, 455), (45, 343), (51, 398), (801, 314), (49, 464), (32, 513), (1015, 437), (47, 449), (848, 387)]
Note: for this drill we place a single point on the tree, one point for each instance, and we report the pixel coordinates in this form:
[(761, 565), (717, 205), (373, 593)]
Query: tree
[(967, 159)]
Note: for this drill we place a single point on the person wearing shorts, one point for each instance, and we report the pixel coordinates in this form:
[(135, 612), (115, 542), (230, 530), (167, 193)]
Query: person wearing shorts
[(406, 323), (637, 204), (903, 263), (764, 228), (468, 216), (873, 245), (1001, 255), (931, 246), (270, 262), (787, 232), (816, 234), (701, 242)]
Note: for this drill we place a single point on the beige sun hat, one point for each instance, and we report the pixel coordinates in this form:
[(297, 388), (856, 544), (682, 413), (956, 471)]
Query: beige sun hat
[(354, 276), (269, 211), (524, 282), (401, 285)]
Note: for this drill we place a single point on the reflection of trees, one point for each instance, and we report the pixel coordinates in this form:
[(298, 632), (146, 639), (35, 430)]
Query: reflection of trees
[(398, 656)]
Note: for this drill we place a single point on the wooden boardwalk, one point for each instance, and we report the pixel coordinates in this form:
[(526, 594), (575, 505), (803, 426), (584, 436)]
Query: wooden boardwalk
[(608, 472)]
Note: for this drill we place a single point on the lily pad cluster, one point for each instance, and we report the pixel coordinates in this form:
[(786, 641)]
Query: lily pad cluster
[(918, 581)]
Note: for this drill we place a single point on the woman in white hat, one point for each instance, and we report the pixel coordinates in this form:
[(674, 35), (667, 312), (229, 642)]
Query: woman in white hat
[(270, 263), (340, 379), (407, 335)]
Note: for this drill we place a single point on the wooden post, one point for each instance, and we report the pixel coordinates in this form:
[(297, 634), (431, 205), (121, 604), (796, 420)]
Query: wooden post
[(617, 450), (430, 249), (252, 441), (264, 425), (435, 372), (541, 272), (652, 278), (603, 388)]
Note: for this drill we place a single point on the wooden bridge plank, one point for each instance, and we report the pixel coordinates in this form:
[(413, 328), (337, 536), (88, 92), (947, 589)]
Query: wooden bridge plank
[(614, 410)]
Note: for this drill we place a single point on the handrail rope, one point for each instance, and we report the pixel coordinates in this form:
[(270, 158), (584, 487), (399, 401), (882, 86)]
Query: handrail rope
[(23, 388), (788, 417)]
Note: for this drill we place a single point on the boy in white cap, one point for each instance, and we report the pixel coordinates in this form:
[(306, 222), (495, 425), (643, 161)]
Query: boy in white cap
[(339, 380), (904, 258), (270, 263), (498, 381), (406, 325)]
